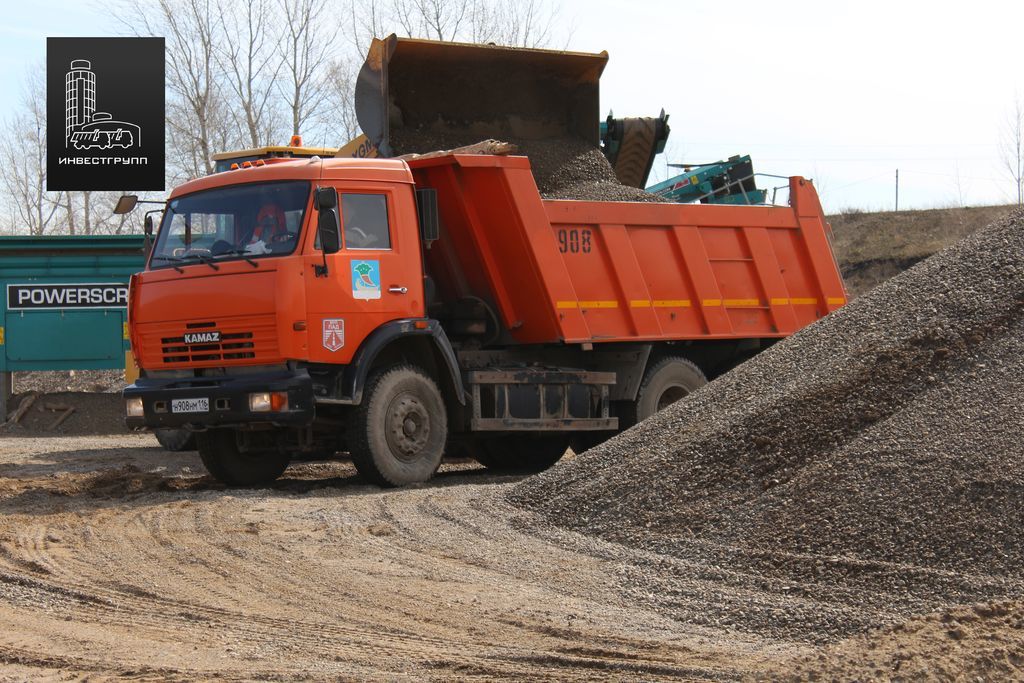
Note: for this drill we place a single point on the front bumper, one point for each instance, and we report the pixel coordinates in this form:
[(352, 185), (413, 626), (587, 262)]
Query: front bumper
[(228, 398)]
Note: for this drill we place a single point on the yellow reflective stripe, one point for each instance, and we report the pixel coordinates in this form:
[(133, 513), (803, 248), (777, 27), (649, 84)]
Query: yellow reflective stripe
[(779, 302), (836, 301), (1, 335), (711, 302), (587, 304), (672, 303), (741, 303), (124, 331), (798, 302), (640, 303)]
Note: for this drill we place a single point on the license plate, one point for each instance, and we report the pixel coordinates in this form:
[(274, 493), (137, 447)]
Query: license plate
[(190, 405)]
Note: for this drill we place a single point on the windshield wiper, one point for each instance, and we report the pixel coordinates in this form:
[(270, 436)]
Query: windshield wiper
[(240, 252), (202, 258), (172, 260)]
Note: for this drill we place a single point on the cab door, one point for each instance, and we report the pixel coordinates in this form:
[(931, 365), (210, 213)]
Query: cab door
[(376, 277)]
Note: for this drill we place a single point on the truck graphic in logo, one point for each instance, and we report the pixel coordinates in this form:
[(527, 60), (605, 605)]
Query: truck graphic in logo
[(366, 279)]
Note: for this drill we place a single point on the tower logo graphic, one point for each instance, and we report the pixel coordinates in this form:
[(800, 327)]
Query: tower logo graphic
[(84, 127)]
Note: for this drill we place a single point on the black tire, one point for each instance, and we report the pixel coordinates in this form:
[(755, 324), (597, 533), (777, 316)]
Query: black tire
[(218, 449), (665, 382), (176, 439), (397, 435), (521, 453)]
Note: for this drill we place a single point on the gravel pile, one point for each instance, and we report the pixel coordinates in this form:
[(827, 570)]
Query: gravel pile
[(868, 468), (565, 168)]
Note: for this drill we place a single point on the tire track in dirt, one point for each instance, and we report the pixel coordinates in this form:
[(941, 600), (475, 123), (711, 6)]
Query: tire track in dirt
[(127, 562)]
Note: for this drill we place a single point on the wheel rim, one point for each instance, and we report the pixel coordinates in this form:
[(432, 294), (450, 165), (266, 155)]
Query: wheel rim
[(670, 396), (407, 426)]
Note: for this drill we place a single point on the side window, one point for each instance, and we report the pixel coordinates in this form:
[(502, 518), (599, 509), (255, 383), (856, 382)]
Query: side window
[(365, 218)]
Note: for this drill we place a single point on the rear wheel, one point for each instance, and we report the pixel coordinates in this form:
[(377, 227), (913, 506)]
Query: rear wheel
[(219, 451), (397, 435), (521, 453), (664, 383), (176, 439)]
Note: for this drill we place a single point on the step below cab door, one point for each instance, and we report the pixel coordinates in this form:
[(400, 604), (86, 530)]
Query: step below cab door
[(376, 277)]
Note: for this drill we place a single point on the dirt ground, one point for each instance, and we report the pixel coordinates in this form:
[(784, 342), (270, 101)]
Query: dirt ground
[(118, 559)]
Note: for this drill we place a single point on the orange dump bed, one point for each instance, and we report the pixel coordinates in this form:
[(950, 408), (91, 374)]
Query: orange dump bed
[(619, 271)]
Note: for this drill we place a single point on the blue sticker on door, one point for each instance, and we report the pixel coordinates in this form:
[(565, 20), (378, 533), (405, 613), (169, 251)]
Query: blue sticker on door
[(366, 279)]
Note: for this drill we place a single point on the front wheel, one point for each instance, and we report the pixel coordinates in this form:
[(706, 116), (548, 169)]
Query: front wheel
[(176, 439), (219, 451), (397, 436)]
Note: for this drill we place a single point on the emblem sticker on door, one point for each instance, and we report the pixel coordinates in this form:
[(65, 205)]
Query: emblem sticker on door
[(334, 333), (366, 279)]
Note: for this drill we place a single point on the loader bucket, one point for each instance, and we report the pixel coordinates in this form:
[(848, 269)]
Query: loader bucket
[(476, 92)]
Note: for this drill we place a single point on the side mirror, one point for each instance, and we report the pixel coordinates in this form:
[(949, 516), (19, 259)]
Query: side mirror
[(326, 198), (147, 229), (328, 229), (126, 204)]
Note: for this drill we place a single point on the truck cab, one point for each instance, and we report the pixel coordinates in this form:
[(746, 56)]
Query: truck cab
[(243, 321)]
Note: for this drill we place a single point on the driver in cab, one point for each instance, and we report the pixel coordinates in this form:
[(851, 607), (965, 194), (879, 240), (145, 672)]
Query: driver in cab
[(270, 232)]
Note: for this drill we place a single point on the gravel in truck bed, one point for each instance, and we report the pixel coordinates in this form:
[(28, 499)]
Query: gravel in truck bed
[(565, 168), (868, 468)]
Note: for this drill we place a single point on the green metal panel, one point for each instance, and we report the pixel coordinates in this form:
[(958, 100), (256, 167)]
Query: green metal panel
[(66, 339), (69, 333)]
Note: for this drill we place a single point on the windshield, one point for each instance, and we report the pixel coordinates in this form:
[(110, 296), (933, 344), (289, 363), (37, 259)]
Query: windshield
[(241, 221)]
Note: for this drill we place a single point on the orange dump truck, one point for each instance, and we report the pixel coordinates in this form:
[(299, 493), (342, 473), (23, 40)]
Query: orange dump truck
[(404, 310)]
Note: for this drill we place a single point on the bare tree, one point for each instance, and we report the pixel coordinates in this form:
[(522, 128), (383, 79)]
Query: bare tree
[(198, 121), (23, 163), (1013, 147), (367, 20), (250, 63), (308, 43), (522, 23), (28, 207), (960, 187), (339, 119), (434, 19)]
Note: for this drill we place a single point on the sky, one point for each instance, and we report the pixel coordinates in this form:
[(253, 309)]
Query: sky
[(845, 93), (842, 92)]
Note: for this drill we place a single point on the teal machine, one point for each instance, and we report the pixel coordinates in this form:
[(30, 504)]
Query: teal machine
[(630, 145), (721, 182), (65, 303)]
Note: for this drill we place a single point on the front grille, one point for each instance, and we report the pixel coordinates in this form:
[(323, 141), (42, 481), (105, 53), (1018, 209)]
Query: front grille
[(232, 346), (242, 340)]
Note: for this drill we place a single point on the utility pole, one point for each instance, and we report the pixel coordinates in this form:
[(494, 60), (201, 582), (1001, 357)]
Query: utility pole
[(897, 189)]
